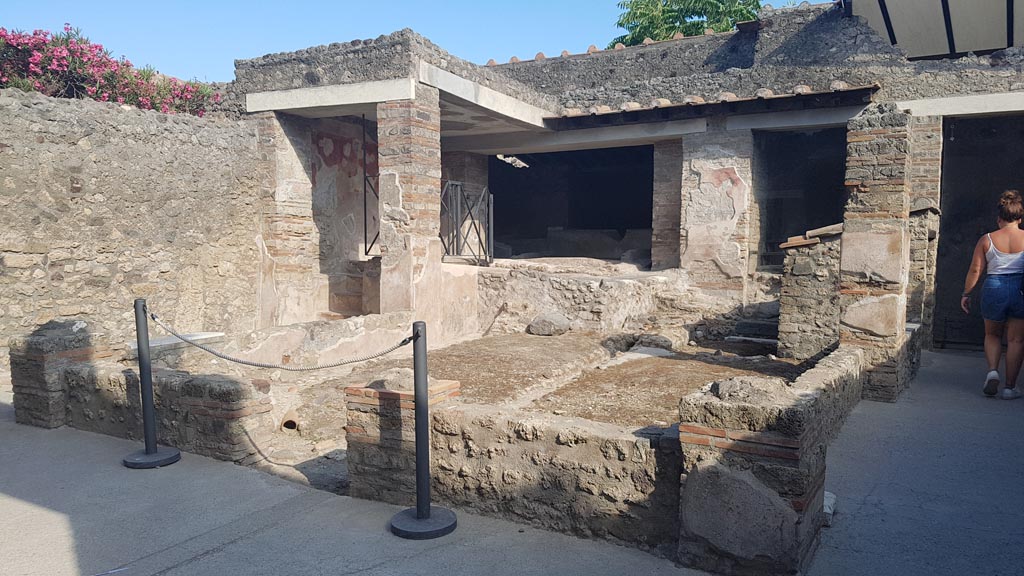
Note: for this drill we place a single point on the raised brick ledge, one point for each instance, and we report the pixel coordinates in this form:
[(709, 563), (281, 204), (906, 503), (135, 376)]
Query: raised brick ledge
[(747, 436), (440, 388)]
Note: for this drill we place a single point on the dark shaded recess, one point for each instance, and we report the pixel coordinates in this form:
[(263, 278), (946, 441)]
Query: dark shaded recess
[(605, 189), (799, 185)]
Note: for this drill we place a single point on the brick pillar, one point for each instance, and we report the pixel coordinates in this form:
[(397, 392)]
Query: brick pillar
[(668, 185), (381, 439), (876, 246), (925, 197), (409, 140), (38, 363)]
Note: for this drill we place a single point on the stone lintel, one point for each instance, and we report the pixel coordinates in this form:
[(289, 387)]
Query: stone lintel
[(582, 139), (335, 100), (965, 105), (522, 113)]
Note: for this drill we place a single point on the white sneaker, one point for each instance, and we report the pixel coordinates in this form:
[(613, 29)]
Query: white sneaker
[(1011, 393), (991, 383)]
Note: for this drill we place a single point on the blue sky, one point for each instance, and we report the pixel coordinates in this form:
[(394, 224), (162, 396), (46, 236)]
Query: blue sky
[(201, 40)]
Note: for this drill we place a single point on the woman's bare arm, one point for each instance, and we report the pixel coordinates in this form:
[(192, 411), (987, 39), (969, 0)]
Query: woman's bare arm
[(973, 274)]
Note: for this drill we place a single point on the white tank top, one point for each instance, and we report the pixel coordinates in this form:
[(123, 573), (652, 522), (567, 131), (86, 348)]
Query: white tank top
[(1002, 262)]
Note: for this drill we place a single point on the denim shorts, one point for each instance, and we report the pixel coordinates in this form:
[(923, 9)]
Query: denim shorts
[(1001, 297)]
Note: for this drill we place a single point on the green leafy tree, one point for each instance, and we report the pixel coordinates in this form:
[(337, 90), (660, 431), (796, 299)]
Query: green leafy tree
[(661, 19)]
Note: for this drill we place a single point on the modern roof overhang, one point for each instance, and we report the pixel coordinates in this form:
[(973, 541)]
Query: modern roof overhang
[(942, 28)]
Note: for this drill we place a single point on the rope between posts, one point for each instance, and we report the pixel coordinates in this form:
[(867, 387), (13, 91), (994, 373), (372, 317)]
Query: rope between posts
[(223, 356)]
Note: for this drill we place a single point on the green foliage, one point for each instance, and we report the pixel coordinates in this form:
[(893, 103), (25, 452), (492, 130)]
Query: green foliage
[(661, 19)]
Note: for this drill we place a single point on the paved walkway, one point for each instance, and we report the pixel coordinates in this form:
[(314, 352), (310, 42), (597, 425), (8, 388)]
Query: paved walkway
[(68, 507), (930, 485)]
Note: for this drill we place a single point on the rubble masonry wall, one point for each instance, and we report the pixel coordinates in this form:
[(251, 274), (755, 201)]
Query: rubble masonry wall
[(102, 204), (809, 304)]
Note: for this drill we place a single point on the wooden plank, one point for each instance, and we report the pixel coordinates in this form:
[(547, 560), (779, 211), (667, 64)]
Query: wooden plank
[(798, 243), (825, 231)]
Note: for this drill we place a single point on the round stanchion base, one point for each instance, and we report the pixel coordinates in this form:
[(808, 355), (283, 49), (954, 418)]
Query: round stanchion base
[(442, 521), (164, 456)]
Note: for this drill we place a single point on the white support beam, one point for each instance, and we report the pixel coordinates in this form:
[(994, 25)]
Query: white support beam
[(980, 104), (816, 118), (320, 101), (482, 96), (582, 139)]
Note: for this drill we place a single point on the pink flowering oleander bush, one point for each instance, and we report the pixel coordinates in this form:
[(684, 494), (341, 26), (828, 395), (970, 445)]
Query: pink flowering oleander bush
[(68, 65)]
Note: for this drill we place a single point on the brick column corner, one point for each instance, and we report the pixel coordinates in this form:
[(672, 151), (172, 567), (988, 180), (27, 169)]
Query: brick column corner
[(38, 362), (381, 438)]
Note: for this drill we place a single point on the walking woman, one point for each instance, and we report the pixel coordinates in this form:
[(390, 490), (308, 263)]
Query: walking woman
[(1001, 255)]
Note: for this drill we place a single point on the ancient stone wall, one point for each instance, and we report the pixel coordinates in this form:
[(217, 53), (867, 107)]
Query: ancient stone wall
[(813, 46), (717, 202), (876, 246), (569, 475), (511, 298), (558, 473), (102, 204), (754, 466), (809, 303), (314, 262), (392, 56), (383, 58), (63, 376)]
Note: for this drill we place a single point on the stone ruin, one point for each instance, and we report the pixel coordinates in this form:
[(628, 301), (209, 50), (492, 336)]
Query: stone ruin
[(727, 242)]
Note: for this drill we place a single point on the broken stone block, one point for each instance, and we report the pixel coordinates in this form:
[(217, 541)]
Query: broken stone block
[(737, 515), (394, 379), (549, 324), (748, 389), (876, 315)]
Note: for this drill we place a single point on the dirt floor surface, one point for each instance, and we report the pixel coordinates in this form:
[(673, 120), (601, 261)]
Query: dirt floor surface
[(500, 369), (647, 390)]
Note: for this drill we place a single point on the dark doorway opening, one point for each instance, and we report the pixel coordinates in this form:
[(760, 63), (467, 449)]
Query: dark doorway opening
[(587, 203), (799, 181), (981, 158)]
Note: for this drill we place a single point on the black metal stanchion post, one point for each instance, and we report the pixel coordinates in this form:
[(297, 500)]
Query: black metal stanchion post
[(152, 456), (424, 521)]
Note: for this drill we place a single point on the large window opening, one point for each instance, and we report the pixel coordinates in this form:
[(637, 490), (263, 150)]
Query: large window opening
[(981, 158), (588, 204), (799, 185)]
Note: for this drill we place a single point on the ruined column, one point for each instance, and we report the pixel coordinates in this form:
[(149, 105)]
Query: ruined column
[(668, 184), (409, 140), (876, 247)]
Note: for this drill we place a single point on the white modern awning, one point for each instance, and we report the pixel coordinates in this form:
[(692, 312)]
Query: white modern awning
[(931, 28)]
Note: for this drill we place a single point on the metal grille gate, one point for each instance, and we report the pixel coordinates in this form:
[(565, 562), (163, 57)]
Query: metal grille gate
[(467, 223)]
